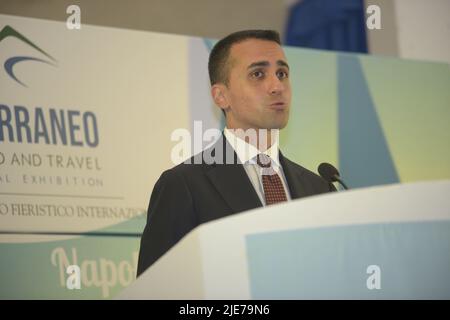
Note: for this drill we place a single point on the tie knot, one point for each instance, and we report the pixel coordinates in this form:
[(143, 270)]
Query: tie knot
[(263, 160)]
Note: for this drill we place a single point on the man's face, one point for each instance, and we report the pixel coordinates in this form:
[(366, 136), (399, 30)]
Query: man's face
[(259, 92)]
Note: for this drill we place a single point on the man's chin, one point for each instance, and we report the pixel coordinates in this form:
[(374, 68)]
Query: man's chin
[(278, 125)]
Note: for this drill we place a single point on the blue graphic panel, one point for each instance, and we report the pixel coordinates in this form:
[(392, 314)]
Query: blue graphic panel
[(364, 156), (332, 262)]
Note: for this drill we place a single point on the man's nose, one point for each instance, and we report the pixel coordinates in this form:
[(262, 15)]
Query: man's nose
[(276, 86)]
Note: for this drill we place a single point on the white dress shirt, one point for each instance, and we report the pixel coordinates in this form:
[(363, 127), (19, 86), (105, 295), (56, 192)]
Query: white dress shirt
[(247, 156)]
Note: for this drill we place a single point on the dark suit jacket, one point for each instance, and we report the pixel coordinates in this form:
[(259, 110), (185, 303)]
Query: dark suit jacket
[(190, 194)]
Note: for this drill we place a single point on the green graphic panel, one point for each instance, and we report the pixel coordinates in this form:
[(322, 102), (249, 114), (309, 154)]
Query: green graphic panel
[(107, 259), (412, 100), (37, 270)]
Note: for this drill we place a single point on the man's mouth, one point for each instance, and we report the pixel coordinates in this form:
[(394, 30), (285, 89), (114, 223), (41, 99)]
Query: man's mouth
[(279, 105)]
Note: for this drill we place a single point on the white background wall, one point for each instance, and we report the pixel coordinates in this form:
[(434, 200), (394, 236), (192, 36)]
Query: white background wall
[(412, 29), (205, 18), (423, 29)]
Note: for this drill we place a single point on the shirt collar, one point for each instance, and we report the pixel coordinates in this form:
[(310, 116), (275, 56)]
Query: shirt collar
[(246, 152)]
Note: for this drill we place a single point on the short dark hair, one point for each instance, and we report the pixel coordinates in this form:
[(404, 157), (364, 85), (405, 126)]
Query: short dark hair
[(218, 66)]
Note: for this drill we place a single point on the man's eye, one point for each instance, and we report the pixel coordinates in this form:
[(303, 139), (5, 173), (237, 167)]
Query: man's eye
[(282, 74), (257, 74)]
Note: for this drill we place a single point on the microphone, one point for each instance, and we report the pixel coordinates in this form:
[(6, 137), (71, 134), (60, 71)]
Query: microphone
[(330, 174)]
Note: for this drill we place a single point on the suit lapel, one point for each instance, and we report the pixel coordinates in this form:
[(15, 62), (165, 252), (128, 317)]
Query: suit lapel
[(293, 177), (231, 180)]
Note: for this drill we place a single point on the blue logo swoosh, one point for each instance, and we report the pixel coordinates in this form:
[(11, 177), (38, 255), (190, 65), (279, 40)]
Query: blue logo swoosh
[(11, 62)]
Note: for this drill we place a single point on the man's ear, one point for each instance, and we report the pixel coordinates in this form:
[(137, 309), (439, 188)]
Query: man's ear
[(219, 95)]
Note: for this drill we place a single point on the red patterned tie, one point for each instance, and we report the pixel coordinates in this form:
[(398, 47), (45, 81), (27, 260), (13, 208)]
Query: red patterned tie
[(273, 187)]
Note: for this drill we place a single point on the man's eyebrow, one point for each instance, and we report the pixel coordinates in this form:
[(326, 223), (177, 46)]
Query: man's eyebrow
[(267, 63), (259, 64), (282, 63)]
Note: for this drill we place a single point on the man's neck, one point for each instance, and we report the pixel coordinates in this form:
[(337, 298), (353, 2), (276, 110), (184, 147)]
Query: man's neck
[(262, 139)]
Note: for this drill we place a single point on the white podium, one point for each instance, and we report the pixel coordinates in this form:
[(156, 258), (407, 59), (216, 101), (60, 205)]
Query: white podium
[(389, 242)]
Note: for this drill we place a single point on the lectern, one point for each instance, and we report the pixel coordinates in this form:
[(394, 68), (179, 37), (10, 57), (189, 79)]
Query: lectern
[(386, 242)]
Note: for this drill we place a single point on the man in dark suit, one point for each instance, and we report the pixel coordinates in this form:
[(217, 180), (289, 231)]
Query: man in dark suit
[(244, 169)]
